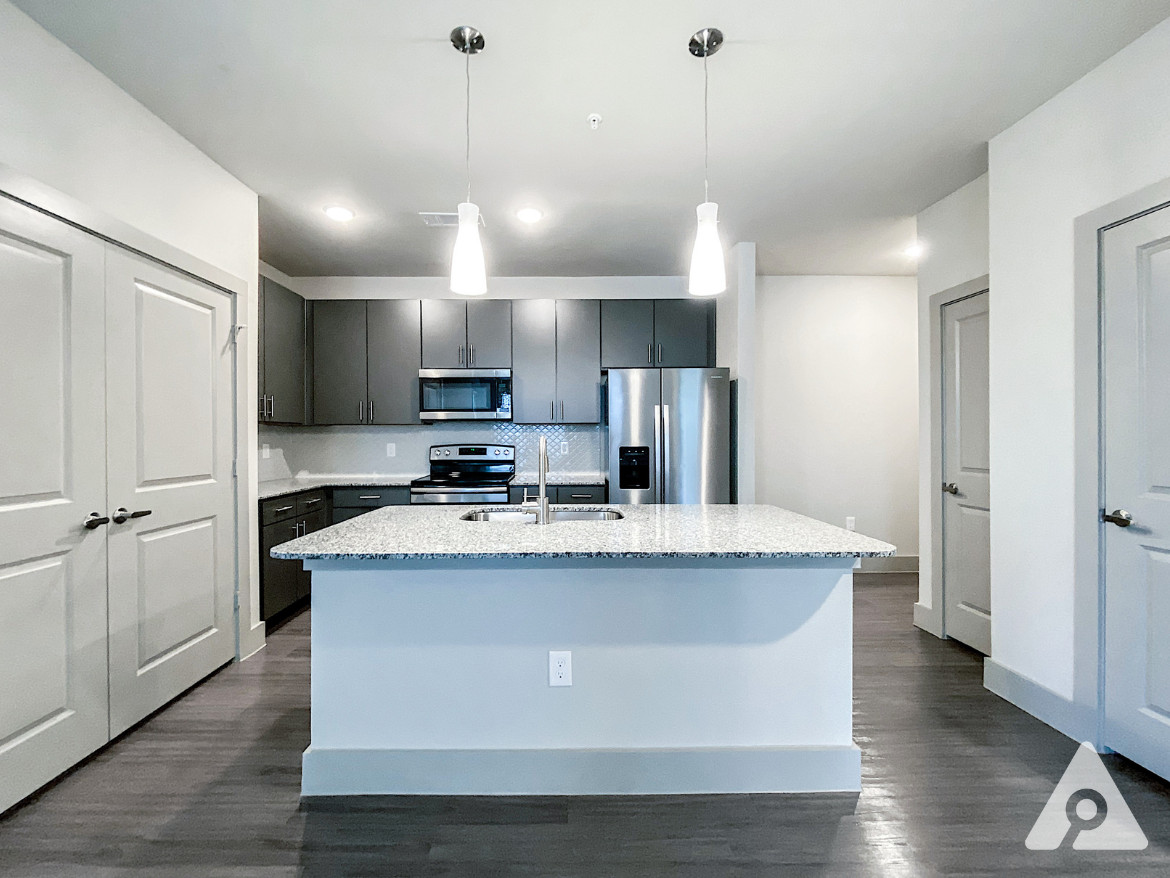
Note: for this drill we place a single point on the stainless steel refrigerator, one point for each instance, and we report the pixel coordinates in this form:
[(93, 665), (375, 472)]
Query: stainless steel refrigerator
[(669, 435)]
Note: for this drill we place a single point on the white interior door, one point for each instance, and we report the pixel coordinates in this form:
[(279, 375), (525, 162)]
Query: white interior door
[(53, 708), (1136, 439), (170, 438), (966, 474)]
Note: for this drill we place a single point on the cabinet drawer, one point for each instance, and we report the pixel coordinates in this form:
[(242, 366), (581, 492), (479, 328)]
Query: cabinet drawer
[(310, 502), (516, 493), (277, 509), (371, 497), (581, 494)]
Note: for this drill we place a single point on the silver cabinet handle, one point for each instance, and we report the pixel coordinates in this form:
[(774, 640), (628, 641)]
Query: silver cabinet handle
[(283, 509), (562, 409), (313, 500), (665, 450), (552, 409), (460, 355), (470, 354), (262, 407), (1119, 517), (361, 411), (371, 411), (95, 520), (660, 354), (271, 407), (581, 496), (370, 497), (950, 488), (650, 353)]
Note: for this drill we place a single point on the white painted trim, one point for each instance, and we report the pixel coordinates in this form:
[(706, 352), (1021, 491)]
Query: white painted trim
[(933, 618), (557, 772), (1078, 721)]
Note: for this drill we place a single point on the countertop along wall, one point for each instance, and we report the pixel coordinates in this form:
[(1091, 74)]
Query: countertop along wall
[(1103, 138), (836, 402), (68, 127)]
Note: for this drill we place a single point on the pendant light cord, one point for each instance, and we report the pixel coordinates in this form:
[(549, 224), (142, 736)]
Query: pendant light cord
[(467, 120), (706, 148)]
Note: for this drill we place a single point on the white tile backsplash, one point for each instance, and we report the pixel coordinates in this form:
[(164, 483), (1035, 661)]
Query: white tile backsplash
[(306, 451)]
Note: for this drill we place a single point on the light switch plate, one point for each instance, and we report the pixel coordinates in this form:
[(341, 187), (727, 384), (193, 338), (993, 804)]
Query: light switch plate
[(391, 449), (265, 451), (560, 668), (850, 522)]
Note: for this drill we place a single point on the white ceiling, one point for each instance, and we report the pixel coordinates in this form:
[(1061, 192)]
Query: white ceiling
[(832, 123)]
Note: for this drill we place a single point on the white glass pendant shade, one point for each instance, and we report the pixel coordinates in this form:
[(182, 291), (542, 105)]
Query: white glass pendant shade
[(708, 273), (468, 276)]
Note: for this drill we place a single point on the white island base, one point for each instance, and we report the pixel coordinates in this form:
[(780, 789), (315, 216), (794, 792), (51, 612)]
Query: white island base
[(689, 675)]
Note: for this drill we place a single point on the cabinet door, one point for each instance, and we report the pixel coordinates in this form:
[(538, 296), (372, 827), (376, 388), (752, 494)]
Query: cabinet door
[(578, 361), (339, 361), (534, 368), (489, 334), (516, 493), (627, 333), (314, 522), (284, 353), (684, 332), (279, 579), (444, 333), (580, 494), (394, 348)]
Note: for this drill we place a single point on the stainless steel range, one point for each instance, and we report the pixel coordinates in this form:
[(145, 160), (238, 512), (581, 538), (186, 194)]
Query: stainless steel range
[(466, 474)]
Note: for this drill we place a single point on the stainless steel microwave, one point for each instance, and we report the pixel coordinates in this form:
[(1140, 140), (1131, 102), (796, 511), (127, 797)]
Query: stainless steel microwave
[(465, 394)]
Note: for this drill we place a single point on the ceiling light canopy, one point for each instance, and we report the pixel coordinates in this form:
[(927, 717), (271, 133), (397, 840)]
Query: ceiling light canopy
[(529, 215), (339, 214), (708, 275), (468, 273)]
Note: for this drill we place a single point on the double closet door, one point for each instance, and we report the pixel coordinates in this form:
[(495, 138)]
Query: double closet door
[(117, 499)]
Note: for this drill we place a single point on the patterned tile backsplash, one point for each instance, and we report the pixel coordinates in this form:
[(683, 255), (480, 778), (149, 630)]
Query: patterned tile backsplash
[(297, 451)]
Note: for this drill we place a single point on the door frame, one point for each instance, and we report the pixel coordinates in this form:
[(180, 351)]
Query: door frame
[(32, 193), (932, 617), (1086, 721)]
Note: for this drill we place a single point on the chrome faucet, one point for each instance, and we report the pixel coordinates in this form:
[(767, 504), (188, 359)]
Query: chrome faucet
[(540, 501)]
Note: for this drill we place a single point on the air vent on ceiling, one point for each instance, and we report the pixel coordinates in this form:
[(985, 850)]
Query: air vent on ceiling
[(442, 219)]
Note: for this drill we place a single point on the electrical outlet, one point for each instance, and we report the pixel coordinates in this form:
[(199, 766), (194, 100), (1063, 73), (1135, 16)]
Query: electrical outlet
[(850, 522), (564, 448), (391, 449), (265, 451), (560, 668)]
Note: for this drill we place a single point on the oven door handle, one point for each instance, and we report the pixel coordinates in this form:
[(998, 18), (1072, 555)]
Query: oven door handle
[(460, 490)]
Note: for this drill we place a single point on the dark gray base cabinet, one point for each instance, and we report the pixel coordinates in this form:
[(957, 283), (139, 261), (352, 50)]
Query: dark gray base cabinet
[(284, 583), (351, 502), (564, 494)]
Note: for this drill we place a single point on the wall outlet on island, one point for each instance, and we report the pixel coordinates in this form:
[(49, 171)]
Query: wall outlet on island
[(560, 668), (391, 449), (850, 522)]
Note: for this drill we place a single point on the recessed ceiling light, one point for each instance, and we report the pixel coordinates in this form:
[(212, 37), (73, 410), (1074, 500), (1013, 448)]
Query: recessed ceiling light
[(340, 214), (529, 215), (914, 251)]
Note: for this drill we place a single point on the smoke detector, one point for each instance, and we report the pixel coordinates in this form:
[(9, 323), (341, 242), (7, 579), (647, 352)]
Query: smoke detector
[(444, 219)]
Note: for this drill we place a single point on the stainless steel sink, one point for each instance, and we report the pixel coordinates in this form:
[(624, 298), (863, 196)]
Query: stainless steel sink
[(517, 516)]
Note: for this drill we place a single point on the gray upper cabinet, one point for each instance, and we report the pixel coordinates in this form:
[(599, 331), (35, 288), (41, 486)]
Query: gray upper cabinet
[(627, 333), (556, 368), (534, 361), (458, 334), (281, 354), (394, 352), (339, 361), (444, 334), (578, 361), (673, 333), (489, 334), (684, 333)]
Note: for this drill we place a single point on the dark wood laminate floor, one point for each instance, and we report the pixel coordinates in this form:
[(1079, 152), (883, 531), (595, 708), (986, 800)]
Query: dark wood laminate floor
[(953, 780)]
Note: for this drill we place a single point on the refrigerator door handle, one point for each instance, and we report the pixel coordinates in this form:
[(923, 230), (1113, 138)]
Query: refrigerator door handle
[(659, 475), (665, 449)]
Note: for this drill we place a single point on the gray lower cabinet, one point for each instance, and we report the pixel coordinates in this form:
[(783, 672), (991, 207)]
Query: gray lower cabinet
[(394, 352), (457, 334), (671, 333), (281, 354), (351, 502), (339, 361), (284, 583), (556, 361), (565, 494)]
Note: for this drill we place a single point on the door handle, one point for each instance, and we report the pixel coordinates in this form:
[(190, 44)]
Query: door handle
[(95, 520), (1119, 517), (950, 488), (665, 450), (658, 485), (122, 514)]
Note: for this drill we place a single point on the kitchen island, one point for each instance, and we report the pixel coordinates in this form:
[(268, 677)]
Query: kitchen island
[(711, 651)]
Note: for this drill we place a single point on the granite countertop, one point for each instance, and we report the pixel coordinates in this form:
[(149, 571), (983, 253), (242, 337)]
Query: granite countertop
[(281, 487), (416, 533)]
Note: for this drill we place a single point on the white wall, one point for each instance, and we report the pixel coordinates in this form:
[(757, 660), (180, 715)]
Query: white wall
[(1104, 137), (836, 401), (953, 233), (72, 129)]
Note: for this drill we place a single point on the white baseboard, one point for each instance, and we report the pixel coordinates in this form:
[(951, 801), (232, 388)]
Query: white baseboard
[(892, 564), (1067, 717), (328, 772), (929, 619)]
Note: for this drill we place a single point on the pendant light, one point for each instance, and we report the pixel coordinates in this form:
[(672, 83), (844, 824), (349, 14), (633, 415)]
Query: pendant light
[(708, 272), (468, 275)]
